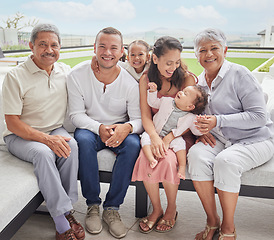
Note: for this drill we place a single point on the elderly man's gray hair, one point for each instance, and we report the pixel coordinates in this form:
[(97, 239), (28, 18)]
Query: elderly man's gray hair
[(44, 27), (209, 34)]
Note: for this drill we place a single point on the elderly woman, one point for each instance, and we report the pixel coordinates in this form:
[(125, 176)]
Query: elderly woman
[(238, 134)]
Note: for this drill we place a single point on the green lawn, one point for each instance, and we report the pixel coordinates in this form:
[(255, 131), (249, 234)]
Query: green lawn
[(250, 63), (74, 61), (193, 65)]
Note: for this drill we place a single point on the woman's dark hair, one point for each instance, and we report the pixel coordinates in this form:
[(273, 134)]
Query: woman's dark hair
[(161, 46)]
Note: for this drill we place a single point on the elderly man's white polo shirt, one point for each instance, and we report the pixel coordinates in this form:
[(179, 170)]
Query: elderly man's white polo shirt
[(40, 99)]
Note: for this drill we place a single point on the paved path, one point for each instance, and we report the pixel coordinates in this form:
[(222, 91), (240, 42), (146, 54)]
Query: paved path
[(76, 54), (253, 219), (65, 55), (235, 55), (184, 55), (250, 55)]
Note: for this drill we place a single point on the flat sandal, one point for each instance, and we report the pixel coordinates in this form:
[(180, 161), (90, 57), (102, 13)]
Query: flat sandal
[(150, 224), (223, 235), (168, 223), (208, 229)]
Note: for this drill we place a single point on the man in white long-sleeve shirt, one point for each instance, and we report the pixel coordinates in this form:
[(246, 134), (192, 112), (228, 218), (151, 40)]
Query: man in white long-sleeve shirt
[(104, 107)]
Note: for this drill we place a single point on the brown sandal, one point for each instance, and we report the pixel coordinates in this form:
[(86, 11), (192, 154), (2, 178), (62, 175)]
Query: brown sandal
[(208, 229), (168, 223), (148, 223), (223, 235)]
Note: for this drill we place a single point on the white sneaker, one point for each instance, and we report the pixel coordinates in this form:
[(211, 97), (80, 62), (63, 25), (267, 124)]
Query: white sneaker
[(115, 225), (93, 220)]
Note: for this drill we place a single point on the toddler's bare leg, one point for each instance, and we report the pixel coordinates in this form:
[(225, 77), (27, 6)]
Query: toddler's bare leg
[(181, 157), (148, 153)]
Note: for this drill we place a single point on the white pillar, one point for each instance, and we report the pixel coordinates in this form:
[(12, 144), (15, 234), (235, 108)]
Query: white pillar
[(10, 36), (268, 35), (1, 37)]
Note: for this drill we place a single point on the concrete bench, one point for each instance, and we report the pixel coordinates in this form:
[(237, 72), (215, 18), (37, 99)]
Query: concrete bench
[(20, 196), (258, 182), (10, 60)]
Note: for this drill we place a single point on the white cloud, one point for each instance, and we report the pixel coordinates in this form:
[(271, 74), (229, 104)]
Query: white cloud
[(254, 5), (201, 13), (162, 9), (96, 10)]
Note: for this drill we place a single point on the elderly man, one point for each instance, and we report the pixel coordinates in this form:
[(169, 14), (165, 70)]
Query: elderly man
[(104, 107), (35, 103)]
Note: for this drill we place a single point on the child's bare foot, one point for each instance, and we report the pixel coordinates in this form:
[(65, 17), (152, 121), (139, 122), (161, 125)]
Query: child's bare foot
[(153, 163), (182, 172)]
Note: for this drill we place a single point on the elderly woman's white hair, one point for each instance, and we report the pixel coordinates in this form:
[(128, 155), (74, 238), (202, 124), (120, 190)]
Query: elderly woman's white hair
[(209, 34)]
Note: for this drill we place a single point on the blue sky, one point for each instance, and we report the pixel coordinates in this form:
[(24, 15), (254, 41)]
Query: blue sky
[(87, 17)]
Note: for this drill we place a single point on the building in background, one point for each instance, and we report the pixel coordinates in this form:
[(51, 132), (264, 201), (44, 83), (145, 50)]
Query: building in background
[(267, 37), (12, 39), (67, 40)]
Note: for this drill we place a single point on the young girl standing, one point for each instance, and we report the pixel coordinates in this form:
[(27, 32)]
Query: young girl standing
[(171, 76)]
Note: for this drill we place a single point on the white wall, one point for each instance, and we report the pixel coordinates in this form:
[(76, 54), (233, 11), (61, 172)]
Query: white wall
[(9, 36)]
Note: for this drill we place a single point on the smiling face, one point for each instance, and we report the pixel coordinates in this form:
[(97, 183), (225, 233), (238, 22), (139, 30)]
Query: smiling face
[(168, 62), (211, 55), (46, 50), (108, 49), (138, 57), (185, 99)]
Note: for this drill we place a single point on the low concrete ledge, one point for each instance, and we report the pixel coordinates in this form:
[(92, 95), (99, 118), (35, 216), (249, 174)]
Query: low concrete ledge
[(261, 75)]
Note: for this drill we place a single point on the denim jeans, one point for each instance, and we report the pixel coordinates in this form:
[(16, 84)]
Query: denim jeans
[(127, 152)]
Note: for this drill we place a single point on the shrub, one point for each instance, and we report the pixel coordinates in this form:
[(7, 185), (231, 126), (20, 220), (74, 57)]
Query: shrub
[(20, 46), (265, 67)]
